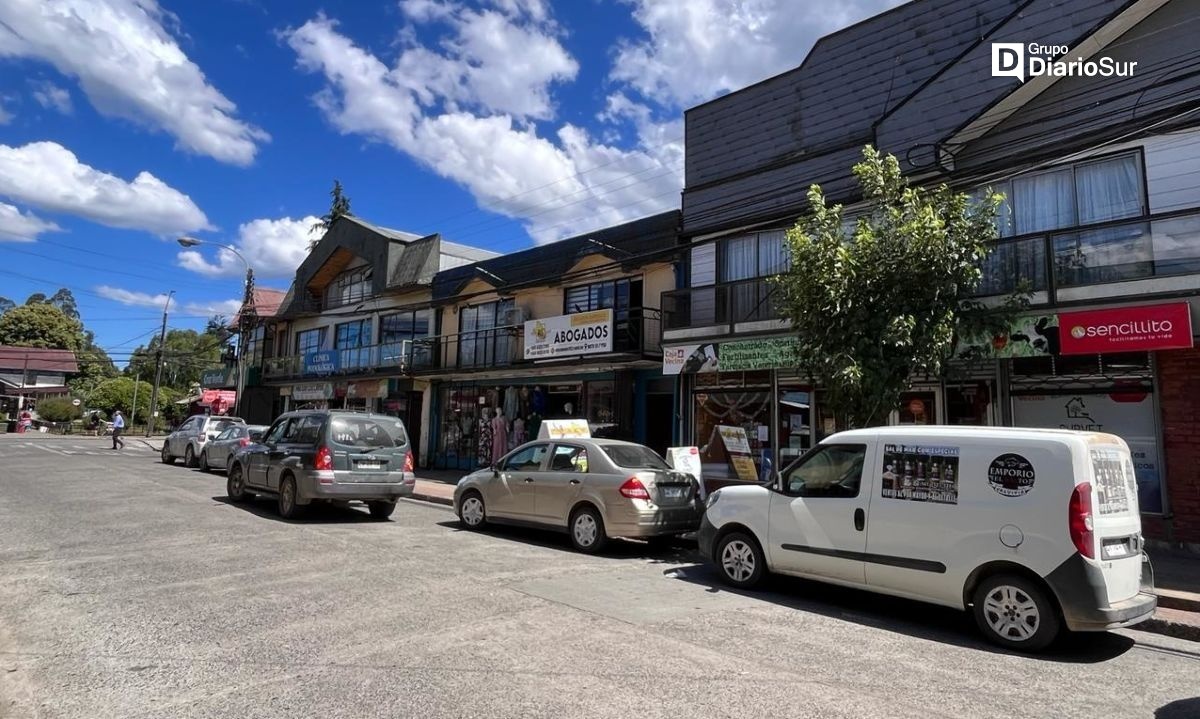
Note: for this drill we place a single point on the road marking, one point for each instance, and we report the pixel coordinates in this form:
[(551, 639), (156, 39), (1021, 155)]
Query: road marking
[(45, 449)]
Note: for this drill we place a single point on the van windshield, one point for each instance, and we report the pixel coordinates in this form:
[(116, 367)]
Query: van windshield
[(633, 456), (368, 432)]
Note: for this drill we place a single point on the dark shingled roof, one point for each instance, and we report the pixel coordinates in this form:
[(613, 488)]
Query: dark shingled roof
[(639, 242)]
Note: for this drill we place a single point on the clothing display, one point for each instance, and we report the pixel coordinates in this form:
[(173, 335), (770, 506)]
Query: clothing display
[(499, 431), (512, 403), (518, 432), (533, 425), (484, 452), (537, 404)]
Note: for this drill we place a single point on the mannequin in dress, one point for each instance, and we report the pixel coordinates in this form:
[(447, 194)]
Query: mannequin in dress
[(499, 435), (518, 432), (484, 445)]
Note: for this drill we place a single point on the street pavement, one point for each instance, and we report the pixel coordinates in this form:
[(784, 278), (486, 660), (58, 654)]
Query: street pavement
[(132, 589)]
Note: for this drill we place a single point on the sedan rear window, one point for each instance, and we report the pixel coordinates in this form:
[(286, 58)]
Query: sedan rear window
[(371, 432), (632, 456)]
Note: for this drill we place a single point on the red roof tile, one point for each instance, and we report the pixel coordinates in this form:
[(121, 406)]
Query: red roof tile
[(36, 358)]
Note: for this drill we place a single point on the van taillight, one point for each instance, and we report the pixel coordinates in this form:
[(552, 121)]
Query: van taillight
[(1079, 518), (324, 459), (634, 489), (408, 462)]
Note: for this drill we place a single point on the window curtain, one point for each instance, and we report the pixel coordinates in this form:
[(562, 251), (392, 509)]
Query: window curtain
[(1109, 190), (1044, 202), (738, 260), (772, 256)]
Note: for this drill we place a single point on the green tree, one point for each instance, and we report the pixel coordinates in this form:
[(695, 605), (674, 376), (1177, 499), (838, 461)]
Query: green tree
[(37, 298), (887, 301), (57, 409), (6, 305), (186, 354), (117, 393), (339, 205), (40, 325), (65, 301)]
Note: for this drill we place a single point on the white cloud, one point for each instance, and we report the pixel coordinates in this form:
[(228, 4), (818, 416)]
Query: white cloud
[(274, 248), (17, 226), (134, 299), (225, 308), (130, 66), (53, 97), (49, 176), (447, 121), (695, 50)]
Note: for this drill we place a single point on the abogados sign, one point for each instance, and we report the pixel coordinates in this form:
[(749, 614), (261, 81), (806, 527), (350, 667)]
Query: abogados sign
[(1126, 329)]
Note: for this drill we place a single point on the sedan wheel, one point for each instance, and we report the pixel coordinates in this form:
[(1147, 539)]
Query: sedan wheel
[(189, 457), (204, 462), (471, 512), (166, 454), (587, 531), (740, 560)]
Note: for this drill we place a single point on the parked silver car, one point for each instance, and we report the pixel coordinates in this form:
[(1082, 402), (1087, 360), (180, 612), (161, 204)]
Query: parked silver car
[(189, 439), (217, 454), (591, 488), (327, 456)]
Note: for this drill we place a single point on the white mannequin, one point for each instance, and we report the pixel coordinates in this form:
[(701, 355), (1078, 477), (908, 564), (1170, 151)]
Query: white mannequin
[(569, 409)]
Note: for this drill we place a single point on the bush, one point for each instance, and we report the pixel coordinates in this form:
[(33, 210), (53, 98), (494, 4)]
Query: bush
[(57, 409)]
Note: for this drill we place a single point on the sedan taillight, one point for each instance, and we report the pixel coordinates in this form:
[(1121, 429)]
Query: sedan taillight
[(634, 489)]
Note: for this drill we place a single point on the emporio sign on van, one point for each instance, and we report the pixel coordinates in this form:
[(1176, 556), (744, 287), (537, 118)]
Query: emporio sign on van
[(1026, 60)]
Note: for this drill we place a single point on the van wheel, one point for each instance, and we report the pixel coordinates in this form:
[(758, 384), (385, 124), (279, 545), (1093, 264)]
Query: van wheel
[(1014, 612), (740, 560), (471, 511), (166, 454), (381, 510), (288, 507), (587, 530)]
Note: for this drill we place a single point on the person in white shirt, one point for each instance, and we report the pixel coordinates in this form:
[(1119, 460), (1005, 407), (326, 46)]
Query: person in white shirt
[(118, 426)]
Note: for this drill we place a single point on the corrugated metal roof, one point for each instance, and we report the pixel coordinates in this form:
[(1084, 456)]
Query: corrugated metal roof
[(37, 358)]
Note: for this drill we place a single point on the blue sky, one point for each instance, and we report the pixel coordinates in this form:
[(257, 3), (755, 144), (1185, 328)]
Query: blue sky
[(499, 123)]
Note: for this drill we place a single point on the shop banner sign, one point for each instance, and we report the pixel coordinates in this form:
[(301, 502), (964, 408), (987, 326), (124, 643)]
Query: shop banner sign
[(775, 353), (691, 359), (737, 446), (564, 429), (368, 389), (218, 377), (1129, 414), (312, 391), (569, 335), (1126, 329), (322, 362), (1026, 336)]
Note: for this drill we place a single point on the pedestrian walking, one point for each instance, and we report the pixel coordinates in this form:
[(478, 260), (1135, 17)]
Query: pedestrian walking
[(24, 422), (118, 425)]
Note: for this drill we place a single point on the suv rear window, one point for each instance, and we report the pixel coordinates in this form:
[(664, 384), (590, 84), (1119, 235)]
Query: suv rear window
[(369, 432), (632, 456)]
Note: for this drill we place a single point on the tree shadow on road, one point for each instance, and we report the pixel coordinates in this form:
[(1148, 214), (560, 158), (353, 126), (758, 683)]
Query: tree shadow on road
[(665, 550), (265, 507), (912, 618), (1181, 709)]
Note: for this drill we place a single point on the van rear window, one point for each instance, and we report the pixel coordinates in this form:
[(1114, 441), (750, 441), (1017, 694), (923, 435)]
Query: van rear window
[(368, 432), (1116, 485)]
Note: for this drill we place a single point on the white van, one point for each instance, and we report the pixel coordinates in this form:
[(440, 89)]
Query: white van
[(1034, 529)]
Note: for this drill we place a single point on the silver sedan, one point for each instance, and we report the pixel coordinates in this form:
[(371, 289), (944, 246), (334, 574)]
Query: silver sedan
[(591, 488), (217, 453)]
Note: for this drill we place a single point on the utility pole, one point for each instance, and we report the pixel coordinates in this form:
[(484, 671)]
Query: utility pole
[(245, 322), (158, 361), (137, 380)]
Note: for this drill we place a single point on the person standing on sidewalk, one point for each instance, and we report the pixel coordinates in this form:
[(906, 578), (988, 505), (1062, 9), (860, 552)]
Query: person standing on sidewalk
[(118, 425)]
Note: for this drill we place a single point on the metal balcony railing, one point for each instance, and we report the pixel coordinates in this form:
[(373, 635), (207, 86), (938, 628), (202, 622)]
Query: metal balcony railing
[(729, 303)]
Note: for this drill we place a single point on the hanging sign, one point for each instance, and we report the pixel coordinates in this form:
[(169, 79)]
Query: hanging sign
[(569, 335), (312, 391), (322, 362), (690, 359), (1126, 329)]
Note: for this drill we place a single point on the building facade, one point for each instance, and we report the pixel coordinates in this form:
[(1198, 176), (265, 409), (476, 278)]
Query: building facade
[(1102, 221)]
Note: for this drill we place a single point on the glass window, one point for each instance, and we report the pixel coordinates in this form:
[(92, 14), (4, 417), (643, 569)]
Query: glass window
[(306, 430), (351, 286), (601, 408), (568, 458), (276, 433), (398, 335), (1045, 201), (353, 339), (830, 471), (747, 411), (484, 337), (623, 297), (633, 456), (310, 341), (761, 254), (368, 432), (529, 459)]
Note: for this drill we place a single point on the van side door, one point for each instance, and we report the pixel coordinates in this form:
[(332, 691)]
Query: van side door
[(818, 514)]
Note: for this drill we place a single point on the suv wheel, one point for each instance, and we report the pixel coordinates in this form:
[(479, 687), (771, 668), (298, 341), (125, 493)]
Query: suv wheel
[(288, 508), (167, 458), (189, 457), (381, 509), (235, 486)]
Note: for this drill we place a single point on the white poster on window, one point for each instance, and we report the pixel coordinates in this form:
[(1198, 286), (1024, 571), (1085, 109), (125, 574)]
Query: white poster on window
[(1127, 414), (687, 460)]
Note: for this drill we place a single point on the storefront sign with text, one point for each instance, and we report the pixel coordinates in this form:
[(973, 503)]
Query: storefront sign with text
[(1126, 329), (569, 335)]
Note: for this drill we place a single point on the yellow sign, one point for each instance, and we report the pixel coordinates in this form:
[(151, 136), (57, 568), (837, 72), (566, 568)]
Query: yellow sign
[(564, 429), (744, 466)]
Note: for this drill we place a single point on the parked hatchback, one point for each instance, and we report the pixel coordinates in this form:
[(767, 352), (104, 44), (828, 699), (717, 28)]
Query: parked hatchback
[(218, 453), (591, 488), (190, 438), (327, 456)]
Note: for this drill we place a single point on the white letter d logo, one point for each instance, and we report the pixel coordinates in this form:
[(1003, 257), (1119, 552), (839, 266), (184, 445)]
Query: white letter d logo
[(1008, 60)]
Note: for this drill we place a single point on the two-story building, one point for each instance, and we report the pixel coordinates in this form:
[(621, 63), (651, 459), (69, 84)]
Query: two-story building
[(353, 326), (567, 330), (28, 374), (1102, 177)]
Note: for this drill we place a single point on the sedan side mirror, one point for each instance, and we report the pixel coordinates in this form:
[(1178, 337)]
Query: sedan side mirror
[(495, 470)]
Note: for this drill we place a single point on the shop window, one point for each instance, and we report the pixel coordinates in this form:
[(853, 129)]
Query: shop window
[(601, 404), (351, 286), (353, 340), (747, 414)]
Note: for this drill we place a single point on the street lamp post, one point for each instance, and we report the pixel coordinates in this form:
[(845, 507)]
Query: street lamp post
[(243, 322), (158, 362)]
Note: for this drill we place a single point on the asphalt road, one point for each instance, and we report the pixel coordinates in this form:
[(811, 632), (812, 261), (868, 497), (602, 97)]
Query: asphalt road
[(131, 589)]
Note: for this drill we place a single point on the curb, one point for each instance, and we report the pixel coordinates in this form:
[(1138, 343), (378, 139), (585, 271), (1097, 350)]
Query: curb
[(1172, 623), (432, 499)]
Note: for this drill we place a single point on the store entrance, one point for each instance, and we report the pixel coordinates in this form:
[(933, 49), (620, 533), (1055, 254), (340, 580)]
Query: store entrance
[(660, 419)]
